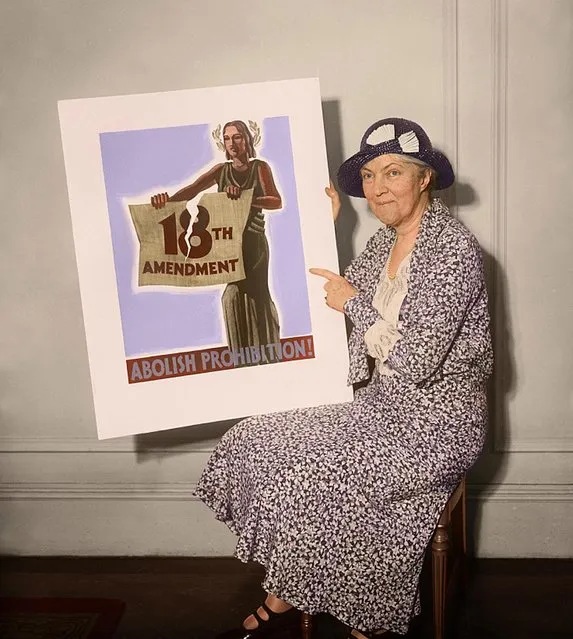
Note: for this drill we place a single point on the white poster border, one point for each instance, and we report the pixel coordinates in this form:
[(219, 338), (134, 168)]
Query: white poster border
[(127, 409)]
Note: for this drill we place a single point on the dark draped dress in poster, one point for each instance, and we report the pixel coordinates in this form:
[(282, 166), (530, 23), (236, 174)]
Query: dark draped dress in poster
[(250, 315)]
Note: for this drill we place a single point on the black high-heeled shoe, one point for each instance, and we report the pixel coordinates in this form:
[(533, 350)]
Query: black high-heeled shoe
[(276, 621)]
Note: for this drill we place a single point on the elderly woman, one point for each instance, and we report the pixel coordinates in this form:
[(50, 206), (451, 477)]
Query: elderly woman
[(338, 503)]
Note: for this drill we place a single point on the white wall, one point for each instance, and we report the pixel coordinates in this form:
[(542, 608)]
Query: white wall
[(489, 82)]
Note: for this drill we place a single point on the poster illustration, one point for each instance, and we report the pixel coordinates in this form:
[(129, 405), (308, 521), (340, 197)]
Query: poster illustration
[(195, 223)]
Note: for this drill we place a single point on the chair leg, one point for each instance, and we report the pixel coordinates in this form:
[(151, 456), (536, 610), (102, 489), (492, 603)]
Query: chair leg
[(464, 520), (440, 546), (463, 559), (306, 625)]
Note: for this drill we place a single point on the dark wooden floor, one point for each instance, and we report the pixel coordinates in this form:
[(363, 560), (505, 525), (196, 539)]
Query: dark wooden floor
[(198, 598)]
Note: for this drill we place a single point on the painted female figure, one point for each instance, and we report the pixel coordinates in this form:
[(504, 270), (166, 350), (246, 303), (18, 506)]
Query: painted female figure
[(249, 313)]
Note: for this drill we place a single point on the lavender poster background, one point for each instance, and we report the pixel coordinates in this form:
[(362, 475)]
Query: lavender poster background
[(156, 160)]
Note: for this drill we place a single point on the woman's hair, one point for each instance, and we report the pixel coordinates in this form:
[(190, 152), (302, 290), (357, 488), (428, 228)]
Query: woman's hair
[(422, 168), (244, 129)]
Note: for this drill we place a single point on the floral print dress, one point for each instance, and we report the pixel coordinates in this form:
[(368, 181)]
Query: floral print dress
[(339, 502)]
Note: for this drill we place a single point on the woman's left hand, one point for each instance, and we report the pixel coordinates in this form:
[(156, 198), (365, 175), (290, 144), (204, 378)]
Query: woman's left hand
[(334, 200), (338, 290)]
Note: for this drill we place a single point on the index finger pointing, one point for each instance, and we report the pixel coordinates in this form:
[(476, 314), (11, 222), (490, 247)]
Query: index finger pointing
[(324, 272)]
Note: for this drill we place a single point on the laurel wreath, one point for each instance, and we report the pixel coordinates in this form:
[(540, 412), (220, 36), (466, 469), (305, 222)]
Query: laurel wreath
[(217, 137), (253, 126), (256, 131)]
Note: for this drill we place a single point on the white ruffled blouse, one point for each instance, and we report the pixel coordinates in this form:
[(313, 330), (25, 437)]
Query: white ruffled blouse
[(381, 337)]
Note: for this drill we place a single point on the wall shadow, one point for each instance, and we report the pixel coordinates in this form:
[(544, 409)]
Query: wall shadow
[(348, 218), (174, 441), (490, 468)]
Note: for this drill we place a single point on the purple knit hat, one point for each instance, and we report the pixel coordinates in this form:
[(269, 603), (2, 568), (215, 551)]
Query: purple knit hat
[(397, 136)]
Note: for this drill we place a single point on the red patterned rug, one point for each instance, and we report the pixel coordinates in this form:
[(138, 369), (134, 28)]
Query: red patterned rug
[(50, 618)]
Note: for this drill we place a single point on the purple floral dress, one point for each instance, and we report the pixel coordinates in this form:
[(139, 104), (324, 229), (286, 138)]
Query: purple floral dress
[(339, 502)]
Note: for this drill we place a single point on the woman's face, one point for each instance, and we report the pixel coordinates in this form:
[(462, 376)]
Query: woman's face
[(394, 189), (235, 143)]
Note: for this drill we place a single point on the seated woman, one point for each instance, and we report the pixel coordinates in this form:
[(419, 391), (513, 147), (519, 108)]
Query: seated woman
[(338, 503)]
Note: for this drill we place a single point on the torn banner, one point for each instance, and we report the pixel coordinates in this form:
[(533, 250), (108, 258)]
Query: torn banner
[(177, 248)]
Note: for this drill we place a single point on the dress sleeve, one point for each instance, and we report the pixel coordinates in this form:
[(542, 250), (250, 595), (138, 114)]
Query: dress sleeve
[(451, 285), (360, 312), (359, 271), (359, 309)]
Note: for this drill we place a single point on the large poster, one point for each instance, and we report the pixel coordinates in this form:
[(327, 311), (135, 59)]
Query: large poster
[(196, 217)]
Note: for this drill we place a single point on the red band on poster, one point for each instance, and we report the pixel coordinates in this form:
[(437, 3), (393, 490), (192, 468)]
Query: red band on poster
[(166, 366)]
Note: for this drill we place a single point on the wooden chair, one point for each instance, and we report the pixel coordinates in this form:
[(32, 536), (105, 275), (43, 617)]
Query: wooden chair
[(440, 547)]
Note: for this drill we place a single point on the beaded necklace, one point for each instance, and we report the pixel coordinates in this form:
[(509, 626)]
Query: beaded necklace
[(391, 277)]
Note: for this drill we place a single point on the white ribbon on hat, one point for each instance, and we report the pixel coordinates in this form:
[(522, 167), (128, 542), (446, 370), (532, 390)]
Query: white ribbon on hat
[(408, 141), (381, 134)]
